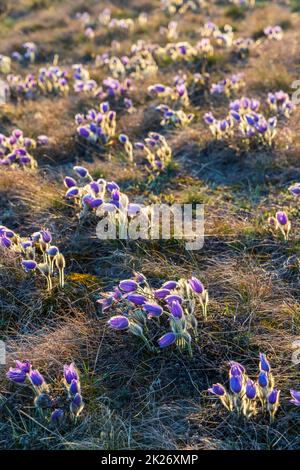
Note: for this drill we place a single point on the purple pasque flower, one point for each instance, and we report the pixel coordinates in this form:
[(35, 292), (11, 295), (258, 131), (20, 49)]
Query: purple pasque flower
[(24, 366), (236, 383), (153, 310), (196, 285), (128, 285), (81, 171), (70, 373), (74, 387), (264, 363), (236, 368), (170, 285), (176, 309), (263, 379), (72, 192), (16, 375), (217, 389), (53, 251), (251, 389), (295, 189), (57, 415), (282, 218), (166, 340), (76, 404), (36, 378), (118, 322), (172, 298), (137, 299), (46, 236), (273, 397), (42, 140), (295, 397), (70, 182), (95, 202), (161, 293), (209, 118), (29, 265)]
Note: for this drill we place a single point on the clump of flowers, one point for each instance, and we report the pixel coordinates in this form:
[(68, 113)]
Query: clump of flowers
[(43, 401), (184, 51), (53, 79), (246, 396), (157, 151), (280, 223), (26, 87), (173, 118), (90, 195), (182, 6), (245, 120), (121, 25), (36, 253), (15, 149), (228, 86), (138, 308), (83, 82), (98, 127), (177, 94), (280, 103), (28, 53), (138, 64), (274, 32)]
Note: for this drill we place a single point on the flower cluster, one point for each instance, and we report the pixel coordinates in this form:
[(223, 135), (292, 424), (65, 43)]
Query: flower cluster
[(274, 32), (49, 80), (36, 253), (138, 64), (184, 51), (245, 120), (98, 127), (280, 223), (28, 54), (15, 149), (174, 118), (95, 195), (43, 401), (174, 304), (53, 79), (177, 94), (181, 6), (157, 150), (280, 103), (228, 86), (222, 38), (83, 82), (246, 394)]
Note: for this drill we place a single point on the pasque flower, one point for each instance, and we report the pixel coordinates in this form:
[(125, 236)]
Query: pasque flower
[(119, 322), (167, 340)]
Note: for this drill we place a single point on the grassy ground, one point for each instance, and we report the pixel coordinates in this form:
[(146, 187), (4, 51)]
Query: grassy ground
[(134, 399)]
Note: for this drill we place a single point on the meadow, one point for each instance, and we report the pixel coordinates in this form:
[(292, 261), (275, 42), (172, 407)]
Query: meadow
[(107, 108)]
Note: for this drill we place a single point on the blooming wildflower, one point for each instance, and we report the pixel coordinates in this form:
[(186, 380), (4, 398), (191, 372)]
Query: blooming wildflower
[(161, 293), (29, 265), (137, 299), (295, 189), (176, 309), (76, 405), (167, 340), (196, 285), (295, 397), (36, 378), (217, 389), (153, 310), (16, 375), (274, 32), (57, 415), (119, 322), (264, 363), (263, 380), (251, 389), (236, 384), (70, 373), (81, 171)]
